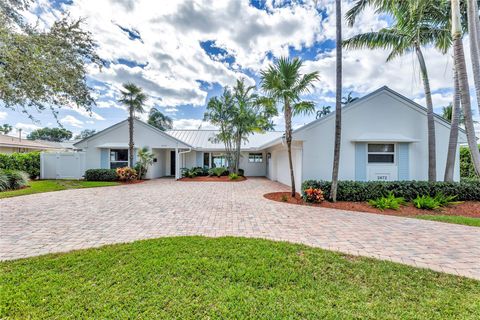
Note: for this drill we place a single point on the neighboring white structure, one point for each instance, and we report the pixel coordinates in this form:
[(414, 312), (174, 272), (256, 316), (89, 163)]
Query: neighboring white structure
[(384, 137)]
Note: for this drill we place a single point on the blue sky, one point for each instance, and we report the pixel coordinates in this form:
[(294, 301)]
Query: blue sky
[(184, 52)]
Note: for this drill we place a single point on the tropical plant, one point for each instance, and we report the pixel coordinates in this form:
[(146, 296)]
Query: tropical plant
[(426, 202), (6, 128), (446, 201), (410, 32), (43, 69), (338, 99), (4, 182), (461, 73), (388, 202), (15, 179), (193, 172), (145, 159), (313, 195), (233, 176), (134, 99), (126, 174), (159, 120), (323, 112), (217, 171), (454, 112), (85, 134), (284, 84), (50, 134), (349, 99), (284, 198)]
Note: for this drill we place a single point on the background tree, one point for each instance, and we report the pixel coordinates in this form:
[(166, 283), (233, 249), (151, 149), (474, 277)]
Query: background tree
[(50, 134), (453, 114), (6, 128), (85, 134), (134, 98), (410, 31), (338, 99), (43, 69), (349, 99), (284, 83), (159, 120), (323, 112)]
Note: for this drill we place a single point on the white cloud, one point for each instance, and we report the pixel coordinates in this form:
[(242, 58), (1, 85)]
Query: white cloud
[(71, 120), (192, 124), (3, 115), (25, 127)]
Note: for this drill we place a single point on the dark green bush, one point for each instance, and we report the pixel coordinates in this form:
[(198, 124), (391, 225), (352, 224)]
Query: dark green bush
[(218, 171), (466, 165), (241, 172), (366, 190), (101, 175), (27, 162), (13, 179)]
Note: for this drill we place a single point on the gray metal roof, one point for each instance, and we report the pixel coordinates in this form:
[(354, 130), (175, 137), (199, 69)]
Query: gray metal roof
[(203, 139)]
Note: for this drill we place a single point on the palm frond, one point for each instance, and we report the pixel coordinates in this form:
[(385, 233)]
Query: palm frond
[(303, 107)]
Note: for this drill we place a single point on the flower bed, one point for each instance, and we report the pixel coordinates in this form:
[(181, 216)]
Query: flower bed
[(212, 179), (466, 209)]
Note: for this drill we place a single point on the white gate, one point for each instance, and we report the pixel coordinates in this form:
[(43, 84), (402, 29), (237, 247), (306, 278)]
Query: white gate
[(62, 165)]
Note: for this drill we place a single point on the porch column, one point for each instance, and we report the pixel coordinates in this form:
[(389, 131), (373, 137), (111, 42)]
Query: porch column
[(177, 164)]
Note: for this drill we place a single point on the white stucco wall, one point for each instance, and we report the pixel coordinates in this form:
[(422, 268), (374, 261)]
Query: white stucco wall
[(278, 165), (384, 113), (253, 169)]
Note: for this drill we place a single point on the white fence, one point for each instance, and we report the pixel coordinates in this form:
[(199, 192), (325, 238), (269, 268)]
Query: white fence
[(62, 165)]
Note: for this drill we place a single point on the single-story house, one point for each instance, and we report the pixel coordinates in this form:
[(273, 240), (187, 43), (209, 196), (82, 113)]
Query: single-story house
[(9, 144), (384, 137)]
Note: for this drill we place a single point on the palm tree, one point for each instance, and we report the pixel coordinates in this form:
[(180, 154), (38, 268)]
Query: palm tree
[(134, 98), (461, 70), (410, 32), (159, 120), (323, 112), (452, 113), (349, 99), (145, 159), (284, 83), (338, 100), (474, 33)]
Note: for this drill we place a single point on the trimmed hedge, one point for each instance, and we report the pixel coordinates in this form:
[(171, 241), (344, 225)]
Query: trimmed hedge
[(101, 175), (27, 162), (363, 191)]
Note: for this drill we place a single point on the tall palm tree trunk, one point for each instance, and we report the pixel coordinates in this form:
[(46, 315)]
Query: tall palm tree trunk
[(432, 163), (237, 153), (453, 140), (130, 133), (461, 68), (473, 29), (338, 103), (288, 139)]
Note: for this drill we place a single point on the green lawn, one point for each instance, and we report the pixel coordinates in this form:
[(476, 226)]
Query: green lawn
[(39, 186), (468, 221), (235, 278)]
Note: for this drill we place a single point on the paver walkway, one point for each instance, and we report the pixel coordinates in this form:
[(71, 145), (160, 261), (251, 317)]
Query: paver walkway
[(75, 219)]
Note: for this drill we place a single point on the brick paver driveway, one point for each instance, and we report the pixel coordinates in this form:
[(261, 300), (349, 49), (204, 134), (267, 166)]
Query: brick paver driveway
[(75, 219)]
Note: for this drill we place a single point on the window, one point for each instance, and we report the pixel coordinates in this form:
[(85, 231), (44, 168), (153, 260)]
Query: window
[(255, 157), (118, 158), (219, 161), (381, 153)]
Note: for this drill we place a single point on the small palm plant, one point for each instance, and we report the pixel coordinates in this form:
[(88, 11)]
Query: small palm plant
[(145, 159)]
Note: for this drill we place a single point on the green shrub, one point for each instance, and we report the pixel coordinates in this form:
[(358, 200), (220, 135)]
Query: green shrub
[(4, 183), (193, 172), (233, 176), (218, 171), (15, 179), (426, 202), (241, 172), (446, 201), (466, 165), (284, 198), (101, 175), (27, 162), (366, 190), (388, 202)]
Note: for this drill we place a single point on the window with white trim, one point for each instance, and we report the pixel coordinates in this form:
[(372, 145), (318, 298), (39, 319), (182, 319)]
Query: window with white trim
[(255, 157), (118, 158), (379, 153)]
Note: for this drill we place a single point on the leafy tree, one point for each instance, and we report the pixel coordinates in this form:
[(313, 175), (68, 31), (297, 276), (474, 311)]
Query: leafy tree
[(6, 128), (338, 99), (284, 84), (410, 31), (85, 134), (43, 69), (159, 120), (348, 99), (50, 134), (134, 98)]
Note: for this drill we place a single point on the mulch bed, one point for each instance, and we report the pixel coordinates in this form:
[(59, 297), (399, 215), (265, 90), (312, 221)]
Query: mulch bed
[(132, 182), (212, 179), (465, 209)]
